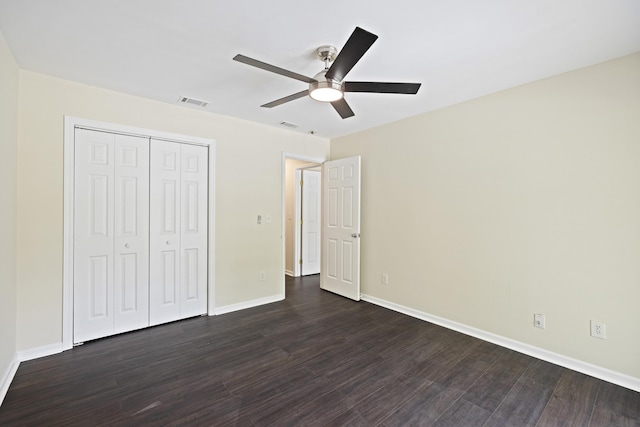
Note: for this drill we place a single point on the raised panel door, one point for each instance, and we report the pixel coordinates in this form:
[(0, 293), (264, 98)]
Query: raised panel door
[(110, 281), (178, 231), (194, 212), (341, 227), (311, 224), (165, 233), (93, 235), (131, 244)]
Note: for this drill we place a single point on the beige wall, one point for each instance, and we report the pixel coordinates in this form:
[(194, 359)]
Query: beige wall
[(8, 176), (525, 201), (248, 183)]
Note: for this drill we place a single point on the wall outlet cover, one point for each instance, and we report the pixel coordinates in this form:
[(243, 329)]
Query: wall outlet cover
[(538, 320), (598, 330)]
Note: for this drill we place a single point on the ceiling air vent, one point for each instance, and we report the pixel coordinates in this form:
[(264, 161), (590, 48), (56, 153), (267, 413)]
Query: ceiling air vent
[(193, 101), (288, 125)]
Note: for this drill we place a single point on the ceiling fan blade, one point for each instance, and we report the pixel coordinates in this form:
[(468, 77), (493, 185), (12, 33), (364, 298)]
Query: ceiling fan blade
[(272, 68), (380, 87), (359, 42), (343, 108), (286, 99)]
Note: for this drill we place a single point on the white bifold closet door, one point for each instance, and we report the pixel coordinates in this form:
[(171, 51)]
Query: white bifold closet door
[(140, 233), (178, 231), (111, 234)]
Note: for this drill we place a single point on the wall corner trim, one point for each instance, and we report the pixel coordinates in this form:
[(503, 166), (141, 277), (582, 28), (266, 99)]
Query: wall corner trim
[(7, 377), (23, 356), (605, 374)]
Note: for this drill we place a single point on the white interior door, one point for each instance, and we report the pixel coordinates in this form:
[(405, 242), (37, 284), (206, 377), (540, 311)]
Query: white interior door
[(311, 222), (110, 238), (178, 231), (93, 236), (164, 226), (131, 243), (341, 227), (193, 247)]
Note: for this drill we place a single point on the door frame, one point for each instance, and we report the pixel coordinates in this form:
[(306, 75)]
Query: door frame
[(70, 124), (283, 226)]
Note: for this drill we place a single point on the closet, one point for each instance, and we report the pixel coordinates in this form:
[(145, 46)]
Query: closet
[(140, 232)]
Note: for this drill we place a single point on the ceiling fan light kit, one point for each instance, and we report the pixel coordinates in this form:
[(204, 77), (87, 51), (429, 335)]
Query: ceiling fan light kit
[(325, 90), (329, 85)]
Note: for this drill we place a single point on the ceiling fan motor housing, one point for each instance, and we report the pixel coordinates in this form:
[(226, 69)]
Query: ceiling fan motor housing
[(323, 89)]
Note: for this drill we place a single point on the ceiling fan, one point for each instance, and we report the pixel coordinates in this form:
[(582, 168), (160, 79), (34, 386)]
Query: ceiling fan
[(328, 84)]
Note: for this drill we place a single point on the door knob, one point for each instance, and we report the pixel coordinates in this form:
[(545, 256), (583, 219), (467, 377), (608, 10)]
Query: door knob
[(354, 235), (168, 242), (126, 245)]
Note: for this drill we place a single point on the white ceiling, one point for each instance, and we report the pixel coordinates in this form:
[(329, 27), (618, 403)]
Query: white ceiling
[(457, 49)]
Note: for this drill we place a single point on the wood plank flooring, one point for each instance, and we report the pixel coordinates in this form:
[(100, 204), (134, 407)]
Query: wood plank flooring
[(313, 359)]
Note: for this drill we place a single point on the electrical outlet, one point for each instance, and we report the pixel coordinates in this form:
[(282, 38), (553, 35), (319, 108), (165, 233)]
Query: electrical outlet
[(385, 279), (538, 320), (263, 276), (598, 330)]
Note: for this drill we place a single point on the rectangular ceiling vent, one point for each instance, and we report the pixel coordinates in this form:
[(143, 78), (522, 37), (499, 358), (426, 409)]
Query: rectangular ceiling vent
[(288, 125), (193, 101)]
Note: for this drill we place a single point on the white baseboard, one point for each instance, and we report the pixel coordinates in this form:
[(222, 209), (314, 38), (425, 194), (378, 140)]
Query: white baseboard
[(7, 377), (614, 377), (35, 353), (23, 356), (248, 304), (289, 273)]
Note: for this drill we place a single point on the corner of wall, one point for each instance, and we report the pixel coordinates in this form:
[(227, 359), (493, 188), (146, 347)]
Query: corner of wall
[(9, 107), (7, 377)]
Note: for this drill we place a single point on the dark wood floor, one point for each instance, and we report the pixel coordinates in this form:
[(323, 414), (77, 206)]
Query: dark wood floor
[(314, 359)]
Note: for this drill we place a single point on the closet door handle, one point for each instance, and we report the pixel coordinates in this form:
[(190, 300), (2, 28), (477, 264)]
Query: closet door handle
[(168, 242), (126, 245)]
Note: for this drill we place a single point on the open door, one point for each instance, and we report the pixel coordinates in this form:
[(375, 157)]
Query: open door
[(341, 227)]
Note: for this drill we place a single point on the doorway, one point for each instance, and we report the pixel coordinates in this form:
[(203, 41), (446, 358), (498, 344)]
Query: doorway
[(294, 210), (292, 165), (340, 232)]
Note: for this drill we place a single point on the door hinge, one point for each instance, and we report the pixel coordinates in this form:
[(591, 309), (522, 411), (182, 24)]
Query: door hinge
[(300, 222), (300, 262), (301, 183)]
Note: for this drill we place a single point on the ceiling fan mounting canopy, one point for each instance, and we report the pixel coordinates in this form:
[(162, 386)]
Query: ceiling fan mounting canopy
[(327, 54), (329, 85)]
